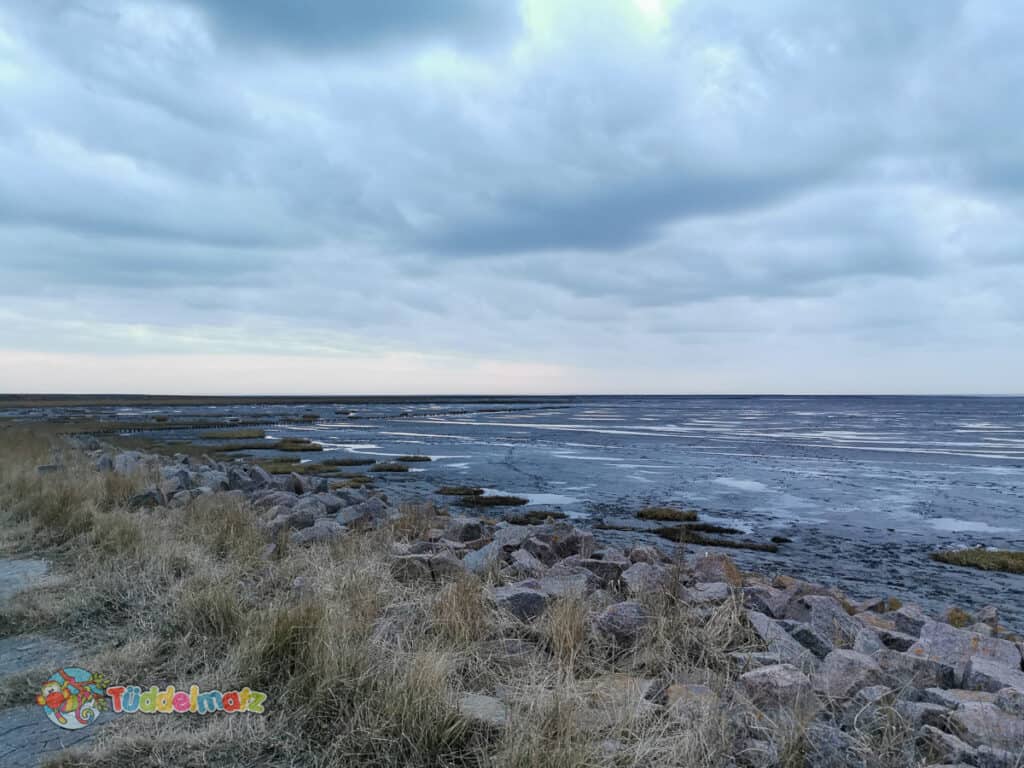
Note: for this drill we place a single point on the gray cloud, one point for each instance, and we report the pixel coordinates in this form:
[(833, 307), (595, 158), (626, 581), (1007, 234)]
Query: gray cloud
[(571, 183)]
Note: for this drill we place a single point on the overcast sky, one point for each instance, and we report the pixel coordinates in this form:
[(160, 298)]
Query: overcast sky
[(331, 196)]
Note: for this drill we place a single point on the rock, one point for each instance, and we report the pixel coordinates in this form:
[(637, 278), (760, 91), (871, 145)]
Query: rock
[(323, 530), (607, 571), (896, 640), (331, 503), (566, 539), (644, 578), (127, 463), (214, 479), (938, 745), (955, 698), (104, 463), (151, 497), (715, 593), (918, 713), (911, 671), (909, 619), (955, 647), (844, 672), (767, 600), (483, 710), (827, 746), (777, 686), (612, 700), (779, 641), (433, 567), (827, 617), (867, 641), (622, 622), (644, 553), (526, 565), (541, 550), (364, 513), (277, 499), (714, 567), (239, 480), (810, 639), (986, 675), (464, 529), (295, 483), (987, 725), (260, 476), (481, 560), (562, 581), (989, 615), (310, 505), (522, 600), (1011, 700)]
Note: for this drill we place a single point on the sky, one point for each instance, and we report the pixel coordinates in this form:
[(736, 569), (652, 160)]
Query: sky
[(549, 196)]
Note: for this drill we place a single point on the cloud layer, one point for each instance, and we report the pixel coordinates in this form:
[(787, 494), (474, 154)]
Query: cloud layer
[(620, 195)]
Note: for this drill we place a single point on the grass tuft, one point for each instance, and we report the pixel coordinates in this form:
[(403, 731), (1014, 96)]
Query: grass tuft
[(667, 514), (986, 559)]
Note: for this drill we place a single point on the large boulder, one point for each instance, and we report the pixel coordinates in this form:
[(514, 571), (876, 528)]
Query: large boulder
[(367, 512), (987, 725), (644, 578), (777, 686), (844, 672), (215, 479), (464, 529), (524, 600), (984, 674), (715, 567), (481, 560), (827, 617), (955, 647), (428, 566), (323, 530), (907, 670), (622, 622), (779, 642), (526, 565)]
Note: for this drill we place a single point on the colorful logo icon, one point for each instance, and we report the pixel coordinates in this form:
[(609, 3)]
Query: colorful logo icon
[(72, 698)]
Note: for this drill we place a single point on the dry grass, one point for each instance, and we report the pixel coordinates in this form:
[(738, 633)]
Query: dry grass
[(667, 514), (985, 559), (234, 434), (184, 596)]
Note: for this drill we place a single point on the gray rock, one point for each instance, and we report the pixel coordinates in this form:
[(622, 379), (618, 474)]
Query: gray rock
[(938, 745), (954, 698), (332, 504), (310, 505), (526, 565), (827, 617), (104, 463), (622, 622), (867, 641), (151, 497), (844, 672), (777, 686), (481, 560), (780, 642), (713, 593), (912, 671), (464, 529), (561, 581), (645, 578), (128, 462), (367, 512), (214, 479), (644, 553), (277, 498), (260, 476), (955, 647), (239, 480), (1011, 700), (483, 710), (523, 601), (541, 550), (909, 619), (987, 675), (716, 567), (323, 530), (767, 600), (918, 713), (432, 567), (987, 725), (896, 640), (607, 571), (810, 639), (295, 483)]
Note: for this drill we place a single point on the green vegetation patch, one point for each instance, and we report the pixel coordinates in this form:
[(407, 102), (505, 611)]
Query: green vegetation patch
[(493, 501), (533, 516), (414, 458), (297, 444), (349, 461), (389, 466), (234, 434), (667, 514), (459, 490), (686, 535), (986, 559)]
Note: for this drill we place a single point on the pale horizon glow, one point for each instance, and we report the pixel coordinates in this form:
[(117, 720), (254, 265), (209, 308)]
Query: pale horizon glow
[(497, 197)]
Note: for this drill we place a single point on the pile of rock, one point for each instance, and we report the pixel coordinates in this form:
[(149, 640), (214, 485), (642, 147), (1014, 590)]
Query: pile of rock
[(840, 664)]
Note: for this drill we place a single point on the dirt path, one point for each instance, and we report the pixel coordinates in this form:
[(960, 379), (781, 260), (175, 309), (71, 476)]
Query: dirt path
[(27, 737)]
